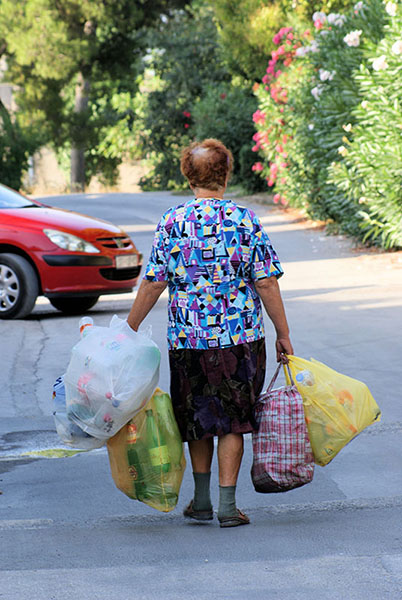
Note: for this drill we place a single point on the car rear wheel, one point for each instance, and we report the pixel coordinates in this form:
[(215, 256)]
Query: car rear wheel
[(19, 287), (74, 306)]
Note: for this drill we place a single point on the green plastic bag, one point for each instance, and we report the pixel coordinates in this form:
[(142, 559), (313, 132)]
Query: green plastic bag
[(336, 407), (146, 456)]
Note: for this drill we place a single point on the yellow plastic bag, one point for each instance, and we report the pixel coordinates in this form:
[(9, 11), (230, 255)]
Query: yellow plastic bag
[(146, 456), (336, 407)]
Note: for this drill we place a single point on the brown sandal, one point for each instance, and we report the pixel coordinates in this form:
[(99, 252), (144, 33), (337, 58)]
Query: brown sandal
[(235, 520), (199, 515)]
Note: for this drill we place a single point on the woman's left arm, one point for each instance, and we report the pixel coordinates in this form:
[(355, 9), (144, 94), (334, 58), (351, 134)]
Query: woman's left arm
[(269, 292), (147, 295)]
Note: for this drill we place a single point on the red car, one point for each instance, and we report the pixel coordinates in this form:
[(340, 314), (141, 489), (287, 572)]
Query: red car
[(70, 258)]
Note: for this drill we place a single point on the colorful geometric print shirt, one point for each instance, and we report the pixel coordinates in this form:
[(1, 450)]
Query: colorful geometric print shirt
[(210, 251)]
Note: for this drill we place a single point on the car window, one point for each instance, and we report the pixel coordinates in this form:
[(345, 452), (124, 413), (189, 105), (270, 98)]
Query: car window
[(11, 199)]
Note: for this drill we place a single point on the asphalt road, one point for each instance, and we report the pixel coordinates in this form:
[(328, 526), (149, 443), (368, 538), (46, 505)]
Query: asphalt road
[(66, 533)]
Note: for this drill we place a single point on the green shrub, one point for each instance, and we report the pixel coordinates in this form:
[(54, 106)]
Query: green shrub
[(370, 176), (183, 63), (323, 106), (328, 126), (225, 112)]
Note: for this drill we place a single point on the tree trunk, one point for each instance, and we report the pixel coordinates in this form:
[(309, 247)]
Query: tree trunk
[(77, 172)]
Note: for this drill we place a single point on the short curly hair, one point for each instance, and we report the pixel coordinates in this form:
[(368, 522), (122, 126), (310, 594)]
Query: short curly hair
[(206, 164)]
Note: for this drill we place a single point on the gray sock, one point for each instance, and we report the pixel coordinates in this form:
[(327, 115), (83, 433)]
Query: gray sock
[(227, 501), (202, 498)]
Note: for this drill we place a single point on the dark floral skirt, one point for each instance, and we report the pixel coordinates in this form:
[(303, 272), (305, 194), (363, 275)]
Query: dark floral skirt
[(213, 391)]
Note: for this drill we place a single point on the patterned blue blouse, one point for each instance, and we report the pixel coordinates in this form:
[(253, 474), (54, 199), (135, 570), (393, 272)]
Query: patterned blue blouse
[(210, 251)]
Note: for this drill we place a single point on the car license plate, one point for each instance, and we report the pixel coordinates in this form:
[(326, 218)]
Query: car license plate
[(124, 262)]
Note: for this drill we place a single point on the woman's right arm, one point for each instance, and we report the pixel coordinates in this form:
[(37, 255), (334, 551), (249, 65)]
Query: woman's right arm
[(269, 292), (155, 281), (147, 295)]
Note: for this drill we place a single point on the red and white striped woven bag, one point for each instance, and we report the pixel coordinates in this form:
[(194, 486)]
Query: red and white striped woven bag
[(282, 456)]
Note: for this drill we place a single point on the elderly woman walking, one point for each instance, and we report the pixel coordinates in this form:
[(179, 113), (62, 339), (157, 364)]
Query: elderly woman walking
[(219, 265)]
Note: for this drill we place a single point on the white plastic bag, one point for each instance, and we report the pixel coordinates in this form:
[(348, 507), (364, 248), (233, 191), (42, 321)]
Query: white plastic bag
[(112, 374)]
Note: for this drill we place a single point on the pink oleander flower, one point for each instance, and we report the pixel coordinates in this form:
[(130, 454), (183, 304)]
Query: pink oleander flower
[(265, 79), (276, 198), (284, 31), (257, 167), (186, 114), (259, 116), (186, 125)]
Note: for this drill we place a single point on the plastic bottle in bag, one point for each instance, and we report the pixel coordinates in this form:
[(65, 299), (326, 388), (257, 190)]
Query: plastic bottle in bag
[(166, 420), (84, 323), (305, 378), (136, 459), (157, 448)]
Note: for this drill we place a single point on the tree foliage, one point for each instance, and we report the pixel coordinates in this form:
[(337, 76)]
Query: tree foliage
[(184, 62), (14, 150), (67, 56)]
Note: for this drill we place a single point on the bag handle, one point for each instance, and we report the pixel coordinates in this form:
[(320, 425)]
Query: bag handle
[(274, 378)]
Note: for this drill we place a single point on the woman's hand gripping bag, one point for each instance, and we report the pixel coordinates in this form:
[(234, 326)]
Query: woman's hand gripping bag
[(146, 456), (111, 375), (337, 407)]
